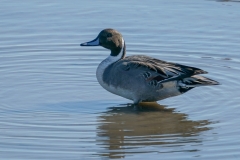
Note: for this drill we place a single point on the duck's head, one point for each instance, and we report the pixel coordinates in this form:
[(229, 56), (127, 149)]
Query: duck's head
[(110, 39)]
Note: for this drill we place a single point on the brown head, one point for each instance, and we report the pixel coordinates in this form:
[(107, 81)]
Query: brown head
[(110, 39)]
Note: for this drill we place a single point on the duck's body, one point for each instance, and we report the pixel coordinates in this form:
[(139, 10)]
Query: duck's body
[(142, 78)]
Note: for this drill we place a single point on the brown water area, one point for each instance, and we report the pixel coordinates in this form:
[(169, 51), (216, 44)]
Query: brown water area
[(152, 125)]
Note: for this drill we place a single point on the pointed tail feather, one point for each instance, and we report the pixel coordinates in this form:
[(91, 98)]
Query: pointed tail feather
[(196, 81)]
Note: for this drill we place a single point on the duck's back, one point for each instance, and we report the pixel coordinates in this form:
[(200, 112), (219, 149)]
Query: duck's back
[(148, 79)]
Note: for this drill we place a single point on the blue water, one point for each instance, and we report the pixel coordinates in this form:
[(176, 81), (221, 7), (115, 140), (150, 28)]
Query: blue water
[(52, 107)]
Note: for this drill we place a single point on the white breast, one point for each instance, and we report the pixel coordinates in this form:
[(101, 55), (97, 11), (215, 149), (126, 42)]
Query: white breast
[(115, 90), (100, 70)]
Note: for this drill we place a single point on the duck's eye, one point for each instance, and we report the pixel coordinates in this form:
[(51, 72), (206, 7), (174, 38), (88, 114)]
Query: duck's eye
[(109, 35)]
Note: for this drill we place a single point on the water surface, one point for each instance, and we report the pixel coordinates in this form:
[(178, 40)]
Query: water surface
[(52, 107)]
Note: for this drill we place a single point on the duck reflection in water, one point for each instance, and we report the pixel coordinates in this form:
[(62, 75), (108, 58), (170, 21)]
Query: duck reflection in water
[(153, 128)]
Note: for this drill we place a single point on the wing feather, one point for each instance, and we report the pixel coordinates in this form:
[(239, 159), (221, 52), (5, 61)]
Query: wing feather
[(163, 71)]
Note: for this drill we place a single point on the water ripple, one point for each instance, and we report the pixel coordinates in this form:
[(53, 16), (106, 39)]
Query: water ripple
[(52, 107)]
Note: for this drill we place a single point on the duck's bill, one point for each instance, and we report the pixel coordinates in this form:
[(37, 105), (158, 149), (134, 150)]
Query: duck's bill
[(94, 42)]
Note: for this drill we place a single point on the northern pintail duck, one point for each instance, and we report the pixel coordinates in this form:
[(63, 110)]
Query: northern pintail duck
[(141, 78)]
